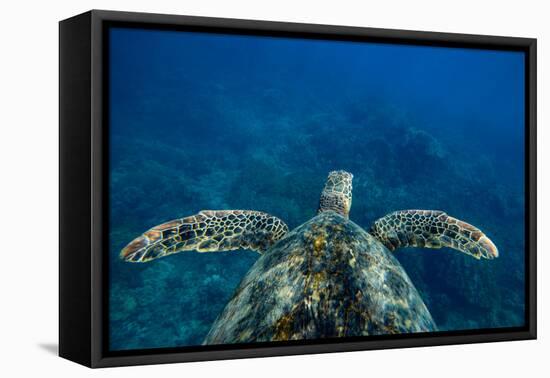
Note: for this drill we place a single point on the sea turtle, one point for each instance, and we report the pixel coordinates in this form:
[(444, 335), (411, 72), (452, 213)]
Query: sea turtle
[(326, 278)]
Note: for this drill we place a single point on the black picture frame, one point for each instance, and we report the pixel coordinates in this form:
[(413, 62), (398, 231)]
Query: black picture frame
[(84, 202)]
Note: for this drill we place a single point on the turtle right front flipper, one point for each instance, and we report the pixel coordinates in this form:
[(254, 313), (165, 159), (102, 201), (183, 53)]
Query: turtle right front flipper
[(207, 231), (432, 229)]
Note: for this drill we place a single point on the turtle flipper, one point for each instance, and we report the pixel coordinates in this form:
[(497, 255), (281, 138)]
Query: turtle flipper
[(432, 229), (207, 231)]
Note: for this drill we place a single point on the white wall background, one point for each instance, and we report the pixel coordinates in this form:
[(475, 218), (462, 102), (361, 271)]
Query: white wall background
[(28, 186)]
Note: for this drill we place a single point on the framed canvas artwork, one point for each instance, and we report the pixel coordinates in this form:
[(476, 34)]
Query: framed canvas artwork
[(234, 188)]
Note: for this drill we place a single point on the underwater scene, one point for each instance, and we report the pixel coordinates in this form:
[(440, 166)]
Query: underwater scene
[(204, 121)]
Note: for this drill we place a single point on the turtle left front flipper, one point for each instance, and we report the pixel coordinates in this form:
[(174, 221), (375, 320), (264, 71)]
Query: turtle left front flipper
[(432, 229), (207, 231)]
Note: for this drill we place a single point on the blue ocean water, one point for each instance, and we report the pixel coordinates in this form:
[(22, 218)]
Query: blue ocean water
[(206, 121)]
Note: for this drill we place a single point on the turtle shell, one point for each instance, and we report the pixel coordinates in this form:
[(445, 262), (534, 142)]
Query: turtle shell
[(327, 278)]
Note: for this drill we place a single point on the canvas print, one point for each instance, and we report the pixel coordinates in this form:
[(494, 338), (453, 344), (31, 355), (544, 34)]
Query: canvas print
[(275, 189)]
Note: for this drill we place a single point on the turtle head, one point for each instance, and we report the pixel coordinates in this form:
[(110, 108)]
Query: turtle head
[(336, 195)]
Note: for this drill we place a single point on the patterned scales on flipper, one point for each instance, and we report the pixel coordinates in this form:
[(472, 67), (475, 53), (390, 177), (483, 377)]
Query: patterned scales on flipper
[(432, 229), (207, 231)]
